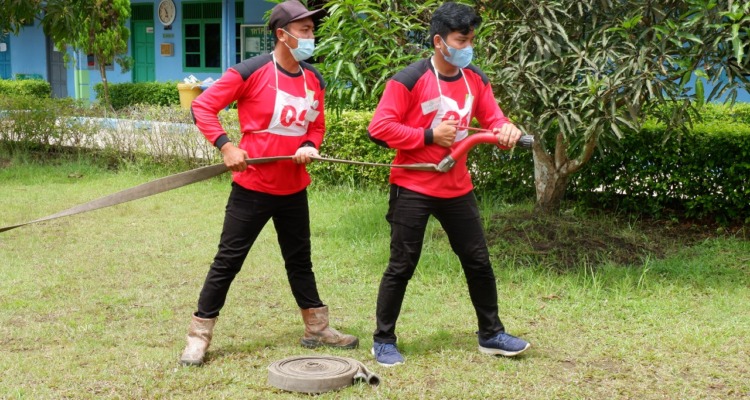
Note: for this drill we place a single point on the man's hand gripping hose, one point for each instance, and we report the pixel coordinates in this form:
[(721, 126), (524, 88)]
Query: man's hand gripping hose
[(445, 165)]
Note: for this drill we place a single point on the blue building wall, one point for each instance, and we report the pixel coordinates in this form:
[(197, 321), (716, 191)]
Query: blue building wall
[(170, 68), (28, 52)]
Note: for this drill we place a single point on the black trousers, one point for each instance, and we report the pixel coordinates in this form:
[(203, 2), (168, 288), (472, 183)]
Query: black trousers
[(247, 212), (408, 214)]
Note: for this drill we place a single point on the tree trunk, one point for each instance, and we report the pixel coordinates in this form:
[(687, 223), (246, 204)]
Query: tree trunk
[(552, 172), (550, 185), (103, 73)]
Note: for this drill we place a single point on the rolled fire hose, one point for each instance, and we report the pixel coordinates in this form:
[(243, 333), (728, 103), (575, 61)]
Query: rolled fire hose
[(196, 175), (318, 374)]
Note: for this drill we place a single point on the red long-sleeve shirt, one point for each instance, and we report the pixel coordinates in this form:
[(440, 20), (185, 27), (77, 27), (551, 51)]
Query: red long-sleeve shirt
[(252, 83), (403, 121)]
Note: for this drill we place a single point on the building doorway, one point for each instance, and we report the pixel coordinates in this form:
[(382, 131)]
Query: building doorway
[(144, 54), (57, 74)]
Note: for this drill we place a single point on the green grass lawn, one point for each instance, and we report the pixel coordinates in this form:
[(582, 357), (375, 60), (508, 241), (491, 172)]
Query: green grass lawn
[(97, 305)]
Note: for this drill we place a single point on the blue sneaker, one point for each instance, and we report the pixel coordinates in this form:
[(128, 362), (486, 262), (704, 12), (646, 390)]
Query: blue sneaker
[(503, 344), (386, 354)]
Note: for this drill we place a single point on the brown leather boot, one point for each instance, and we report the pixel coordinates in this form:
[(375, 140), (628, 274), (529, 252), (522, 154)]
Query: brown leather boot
[(199, 336), (318, 333)]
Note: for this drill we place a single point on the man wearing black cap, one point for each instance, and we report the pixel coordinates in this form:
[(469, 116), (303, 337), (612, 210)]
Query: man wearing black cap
[(280, 101)]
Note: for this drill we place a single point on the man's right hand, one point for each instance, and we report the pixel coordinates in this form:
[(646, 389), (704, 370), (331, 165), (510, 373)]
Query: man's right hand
[(445, 133), (234, 157)]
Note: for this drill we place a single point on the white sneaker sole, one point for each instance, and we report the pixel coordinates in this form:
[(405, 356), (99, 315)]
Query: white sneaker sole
[(498, 352), (372, 351)]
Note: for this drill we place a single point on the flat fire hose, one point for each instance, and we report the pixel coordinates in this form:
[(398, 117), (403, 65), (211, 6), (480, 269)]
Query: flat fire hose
[(186, 178), (318, 374), (196, 175)]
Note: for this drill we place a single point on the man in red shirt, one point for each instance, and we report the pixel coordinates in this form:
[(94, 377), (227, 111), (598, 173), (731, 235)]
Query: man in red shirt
[(418, 115), (280, 101)]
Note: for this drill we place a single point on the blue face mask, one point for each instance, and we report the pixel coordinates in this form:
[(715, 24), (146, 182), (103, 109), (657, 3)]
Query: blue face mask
[(304, 50), (458, 57)]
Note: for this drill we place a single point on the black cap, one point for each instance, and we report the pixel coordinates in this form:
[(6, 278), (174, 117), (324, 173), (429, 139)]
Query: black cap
[(291, 10)]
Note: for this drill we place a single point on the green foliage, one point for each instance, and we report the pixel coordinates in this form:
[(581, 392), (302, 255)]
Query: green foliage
[(588, 67), (703, 173), (128, 94), (16, 13), (31, 87), (508, 175), (739, 113), (575, 73), (136, 134), (92, 26), (42, 121), (363, 43), (346, 138), (28, 76)]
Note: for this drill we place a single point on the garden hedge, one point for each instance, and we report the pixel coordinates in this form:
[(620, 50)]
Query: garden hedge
[(35, 88), (346, 138), (128, 94), (700, 173)]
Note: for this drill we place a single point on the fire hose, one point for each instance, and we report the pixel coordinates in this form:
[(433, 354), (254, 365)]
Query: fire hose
[(196, 175), (318, 374)]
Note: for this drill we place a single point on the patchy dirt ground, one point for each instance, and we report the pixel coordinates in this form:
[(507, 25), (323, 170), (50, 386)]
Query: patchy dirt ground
[(565, 241)]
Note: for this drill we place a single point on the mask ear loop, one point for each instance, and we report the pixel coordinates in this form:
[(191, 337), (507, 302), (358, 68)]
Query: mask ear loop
[(446, 45), (285, 43)]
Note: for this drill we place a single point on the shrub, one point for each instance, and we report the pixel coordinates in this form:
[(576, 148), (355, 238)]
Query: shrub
[(28, 87), (33, 121), (739, 113), (503, 174), (701, 173), (129, 94), (346, 138)]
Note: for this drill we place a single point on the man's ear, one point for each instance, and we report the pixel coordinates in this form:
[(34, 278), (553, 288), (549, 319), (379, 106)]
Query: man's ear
[(279, 34)]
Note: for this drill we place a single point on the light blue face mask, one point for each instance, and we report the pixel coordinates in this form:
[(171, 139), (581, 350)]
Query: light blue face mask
[(304, 50), (458, 57)]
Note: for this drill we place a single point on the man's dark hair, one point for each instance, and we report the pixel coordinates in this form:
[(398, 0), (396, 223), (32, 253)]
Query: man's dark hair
[(452, 17)]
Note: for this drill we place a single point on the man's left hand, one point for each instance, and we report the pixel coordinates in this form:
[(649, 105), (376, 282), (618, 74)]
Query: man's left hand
[(304, 155), (507, 135)]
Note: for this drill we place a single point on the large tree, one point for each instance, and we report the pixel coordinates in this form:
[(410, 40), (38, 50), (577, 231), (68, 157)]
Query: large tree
[(575, 74), (95, 27), (578, 74)]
